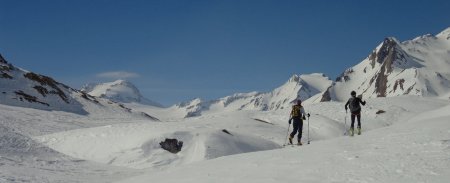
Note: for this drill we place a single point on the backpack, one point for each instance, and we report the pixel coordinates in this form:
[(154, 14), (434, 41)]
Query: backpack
[(354, 104), (296, 111)]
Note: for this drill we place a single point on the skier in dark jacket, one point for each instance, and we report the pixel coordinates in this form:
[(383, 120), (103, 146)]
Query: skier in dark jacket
[(298, 115), (355, 109)]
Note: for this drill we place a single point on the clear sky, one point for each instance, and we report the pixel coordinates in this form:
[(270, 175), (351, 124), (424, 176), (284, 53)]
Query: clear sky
[(178, 50)]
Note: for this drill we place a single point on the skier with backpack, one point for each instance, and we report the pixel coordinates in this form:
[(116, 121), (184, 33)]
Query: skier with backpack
[(355, 109), (297, 115)]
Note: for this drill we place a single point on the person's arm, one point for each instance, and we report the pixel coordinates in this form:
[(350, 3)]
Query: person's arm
[(362, 102), (303, 112), (346, 104)]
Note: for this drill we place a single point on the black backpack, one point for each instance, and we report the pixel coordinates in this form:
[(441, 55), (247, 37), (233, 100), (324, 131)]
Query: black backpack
[(354, 104)]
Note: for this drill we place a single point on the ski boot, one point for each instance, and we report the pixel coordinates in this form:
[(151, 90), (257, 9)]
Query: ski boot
[(359, 130), (299, 143), (290, 140), (352, 132)]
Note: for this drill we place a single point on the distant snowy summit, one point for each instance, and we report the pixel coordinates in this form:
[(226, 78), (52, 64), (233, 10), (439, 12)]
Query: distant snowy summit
[(297, 87), (418, 67), (119, 91)]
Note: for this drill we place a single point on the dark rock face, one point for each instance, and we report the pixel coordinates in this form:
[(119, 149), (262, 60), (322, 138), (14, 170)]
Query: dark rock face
[(5, 75), (22, 95), (172, 145), (326, 95), (387, 55), (47, 81), (5, 68), (399, 82), (2, 60)]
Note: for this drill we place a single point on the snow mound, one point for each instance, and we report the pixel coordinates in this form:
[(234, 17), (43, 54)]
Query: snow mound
[(137, 145)]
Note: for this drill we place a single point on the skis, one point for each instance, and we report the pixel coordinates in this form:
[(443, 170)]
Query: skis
[(292, 145), (352, 133)]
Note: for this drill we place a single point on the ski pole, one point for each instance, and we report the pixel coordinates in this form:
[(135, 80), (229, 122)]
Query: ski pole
[(308, 129), (345, 124), (287, 133)]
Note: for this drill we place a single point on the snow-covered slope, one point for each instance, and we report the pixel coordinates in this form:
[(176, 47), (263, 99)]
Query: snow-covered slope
[(415, 67), (414, 148), (297, 87), (120, 91), (23, 88), (23, 159), (19, 87), (407, 139)]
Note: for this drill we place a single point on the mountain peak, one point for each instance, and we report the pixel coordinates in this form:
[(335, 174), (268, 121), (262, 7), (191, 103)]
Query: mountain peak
[(294, 78), (121, 82), (119, 90), (2, 60), (444, 34)]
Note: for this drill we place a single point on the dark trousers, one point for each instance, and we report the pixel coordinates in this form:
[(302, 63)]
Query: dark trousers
[(356, 114), (298, 126)]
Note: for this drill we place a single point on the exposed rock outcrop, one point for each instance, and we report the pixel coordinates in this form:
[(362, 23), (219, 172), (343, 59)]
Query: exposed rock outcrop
[(171, 145)]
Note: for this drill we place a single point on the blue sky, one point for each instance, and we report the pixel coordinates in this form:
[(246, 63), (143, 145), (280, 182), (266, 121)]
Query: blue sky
[(177, 50)]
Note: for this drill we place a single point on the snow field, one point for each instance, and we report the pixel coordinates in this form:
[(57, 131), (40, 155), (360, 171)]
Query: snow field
[(413, 150)]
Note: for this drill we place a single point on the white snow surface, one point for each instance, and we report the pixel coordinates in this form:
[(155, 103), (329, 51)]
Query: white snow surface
[(413, 146), (409, 142)]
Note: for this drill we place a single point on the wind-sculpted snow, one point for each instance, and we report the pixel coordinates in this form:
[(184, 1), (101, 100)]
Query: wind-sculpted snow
[(24, 160), (138, 145)]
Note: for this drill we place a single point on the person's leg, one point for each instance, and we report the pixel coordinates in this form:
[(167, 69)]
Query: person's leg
[(294, 130), (359, 120), (300, 130), (352, 126), (353, 121), (359, 123)]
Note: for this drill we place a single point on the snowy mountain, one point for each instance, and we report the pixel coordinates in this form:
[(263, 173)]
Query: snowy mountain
[(23, 88), (120, 91), (415, 67), (238, 138), (297, 87), (418, 67)]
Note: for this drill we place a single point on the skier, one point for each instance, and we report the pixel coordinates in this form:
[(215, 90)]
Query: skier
[(298, 115), (355, 109)]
